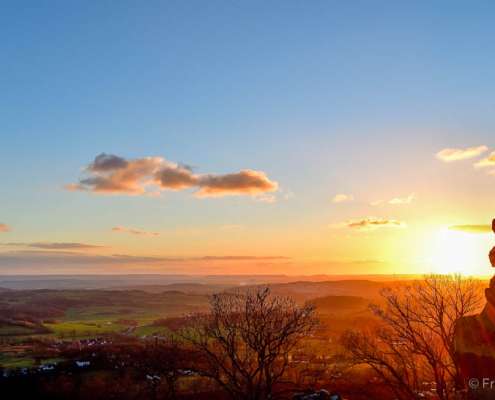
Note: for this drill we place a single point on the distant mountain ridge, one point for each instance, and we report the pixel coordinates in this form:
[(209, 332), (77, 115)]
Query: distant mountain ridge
[(31, 282)]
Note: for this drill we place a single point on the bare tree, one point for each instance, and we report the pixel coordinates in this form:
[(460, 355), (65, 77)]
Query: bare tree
[(415, 342), (157, 363), (160, 363), (246, 340)]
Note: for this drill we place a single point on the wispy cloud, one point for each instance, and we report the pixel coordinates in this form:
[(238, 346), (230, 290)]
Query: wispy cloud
[(472, 228), (111, 174), (48, 258), (457, 154), (134, 231), (403, 200), (372, 223), (55, 245), (68, 260), (396, 200), (342, 198), (266, 198), (4, 228), (486, 162), (241, 258)]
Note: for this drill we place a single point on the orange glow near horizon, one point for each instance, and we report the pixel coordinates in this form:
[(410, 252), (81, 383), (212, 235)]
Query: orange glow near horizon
[(459, 253)]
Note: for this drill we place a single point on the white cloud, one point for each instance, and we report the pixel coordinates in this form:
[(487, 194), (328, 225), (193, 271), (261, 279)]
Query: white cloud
[(456, 154), (395, 201), (266, 198), (403, 200), (134, 231), (486, 162), (342, 198)]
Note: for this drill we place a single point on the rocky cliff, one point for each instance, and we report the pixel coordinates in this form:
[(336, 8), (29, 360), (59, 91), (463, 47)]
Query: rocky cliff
[(475, 345)]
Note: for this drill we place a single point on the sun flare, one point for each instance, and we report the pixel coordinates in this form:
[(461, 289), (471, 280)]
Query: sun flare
[(459, 253)]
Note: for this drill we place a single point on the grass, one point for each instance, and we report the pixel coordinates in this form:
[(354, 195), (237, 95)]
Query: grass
[(79, 329), (91, 321), (87, 314), (148, 330), (111, 313), (24, 361), (8, 361), (93, 313), (14, 330)]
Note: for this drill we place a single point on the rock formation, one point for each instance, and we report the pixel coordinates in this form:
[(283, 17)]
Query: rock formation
[(475, 345)]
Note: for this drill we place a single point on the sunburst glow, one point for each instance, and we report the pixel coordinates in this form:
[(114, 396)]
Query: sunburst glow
[(459, 252)]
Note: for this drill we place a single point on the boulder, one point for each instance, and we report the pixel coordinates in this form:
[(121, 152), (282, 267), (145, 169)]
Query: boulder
[(475, 345)]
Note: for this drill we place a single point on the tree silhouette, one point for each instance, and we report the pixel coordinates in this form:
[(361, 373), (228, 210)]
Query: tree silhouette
[(245, 341), (416, 340)]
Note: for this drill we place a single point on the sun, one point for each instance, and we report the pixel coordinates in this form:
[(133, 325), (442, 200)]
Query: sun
[(460, 253)]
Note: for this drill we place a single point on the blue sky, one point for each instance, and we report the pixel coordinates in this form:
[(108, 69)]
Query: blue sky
[(324, 97)]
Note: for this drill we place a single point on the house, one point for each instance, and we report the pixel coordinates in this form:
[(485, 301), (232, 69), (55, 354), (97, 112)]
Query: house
[(83, 364), (317, 395)]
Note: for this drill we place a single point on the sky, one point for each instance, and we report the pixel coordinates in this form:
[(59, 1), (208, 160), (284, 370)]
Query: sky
[(246, 137)]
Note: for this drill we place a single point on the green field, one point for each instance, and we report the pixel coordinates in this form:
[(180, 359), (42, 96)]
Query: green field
[(14, 330), (16, 362), (94, 321), (74, 314), (31, 315)]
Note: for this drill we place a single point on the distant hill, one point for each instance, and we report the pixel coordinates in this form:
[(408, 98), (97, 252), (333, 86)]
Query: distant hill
[(32, 282), (303, 291), (188, 288), (340, 303)]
